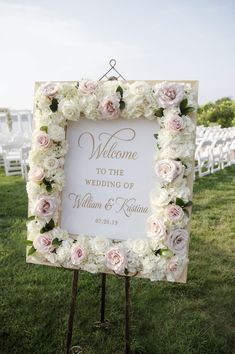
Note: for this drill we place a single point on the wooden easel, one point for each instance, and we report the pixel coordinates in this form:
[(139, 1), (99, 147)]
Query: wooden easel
[(127, 346)]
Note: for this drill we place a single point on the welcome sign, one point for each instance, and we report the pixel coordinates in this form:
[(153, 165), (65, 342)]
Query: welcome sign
[(110, 181), (109, 195)]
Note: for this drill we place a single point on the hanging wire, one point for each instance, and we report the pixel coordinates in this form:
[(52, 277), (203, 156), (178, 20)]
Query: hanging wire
[(112, 64)]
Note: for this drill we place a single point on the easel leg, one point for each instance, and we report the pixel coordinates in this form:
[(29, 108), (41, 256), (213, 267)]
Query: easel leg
[(72, 310), (127, 315), (103, 295)]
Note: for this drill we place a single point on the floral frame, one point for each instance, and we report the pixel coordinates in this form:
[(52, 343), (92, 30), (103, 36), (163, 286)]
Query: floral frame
[(163, 255)]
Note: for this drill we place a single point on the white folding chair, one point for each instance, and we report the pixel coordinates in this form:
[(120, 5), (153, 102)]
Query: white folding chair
[(216, 155), (226, 153), (24, 161), (12, 159), (203, 158)]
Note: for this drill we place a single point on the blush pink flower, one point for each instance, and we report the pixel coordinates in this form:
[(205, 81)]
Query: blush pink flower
[(169, 94), (109, 107), (78, 254), (45, 207), (168, 170), (116, 259), (178, 240), (174, 212), (43, 243), (87, 86), (43, 140), (155, 228), (174, 123), (36, 174), (50, 90), (175, 267)]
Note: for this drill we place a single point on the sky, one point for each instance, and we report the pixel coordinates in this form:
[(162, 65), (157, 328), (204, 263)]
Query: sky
[(150, 40)]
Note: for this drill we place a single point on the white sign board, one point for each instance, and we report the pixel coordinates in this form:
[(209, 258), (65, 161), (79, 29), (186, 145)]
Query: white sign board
[(109, 173)]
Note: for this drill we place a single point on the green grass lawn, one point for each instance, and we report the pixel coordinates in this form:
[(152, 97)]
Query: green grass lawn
[(197, 317)]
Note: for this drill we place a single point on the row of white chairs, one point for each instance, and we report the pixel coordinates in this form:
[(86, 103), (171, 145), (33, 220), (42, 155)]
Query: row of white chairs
[(215, 149), (14, 159)]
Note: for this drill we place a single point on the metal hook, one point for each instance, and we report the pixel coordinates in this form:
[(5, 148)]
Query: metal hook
[(112, 63)]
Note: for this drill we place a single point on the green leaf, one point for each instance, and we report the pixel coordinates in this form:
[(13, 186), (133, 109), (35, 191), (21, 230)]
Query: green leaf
[(54, 105), (28, 242), (190, 203), (32, 217), (165, 252), (155, 136), (49, 188), (44, 128), (31, 251), (120, 90), (184, 108), (122, 105), (183, 104), (56, 242), (188, 110), (159, 112), (180, 202), (48, 227), (48, 185)]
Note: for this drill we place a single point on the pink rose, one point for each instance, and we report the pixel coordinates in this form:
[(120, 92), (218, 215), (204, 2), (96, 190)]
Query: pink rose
[(155, 228), (78, 253), (178, 240), (36, 174), (174, 212), (43, 140), (116, 259), (43, 243), (50, 90), (174, 268), (109, 107), (45, 207), (87, 86), (174, 123), (168, 170), (169, 94)]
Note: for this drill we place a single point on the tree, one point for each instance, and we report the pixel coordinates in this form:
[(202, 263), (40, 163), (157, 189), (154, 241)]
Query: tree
[(222, 112)]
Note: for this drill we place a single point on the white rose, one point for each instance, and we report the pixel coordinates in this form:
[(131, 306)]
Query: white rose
[(70, 109), (51, 257), (56, 132), (149, 264), (155, 227), (63, 252), (34, 189), (51, 163), (159, 197), (100, 244), (59, 233), (140, 247)]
